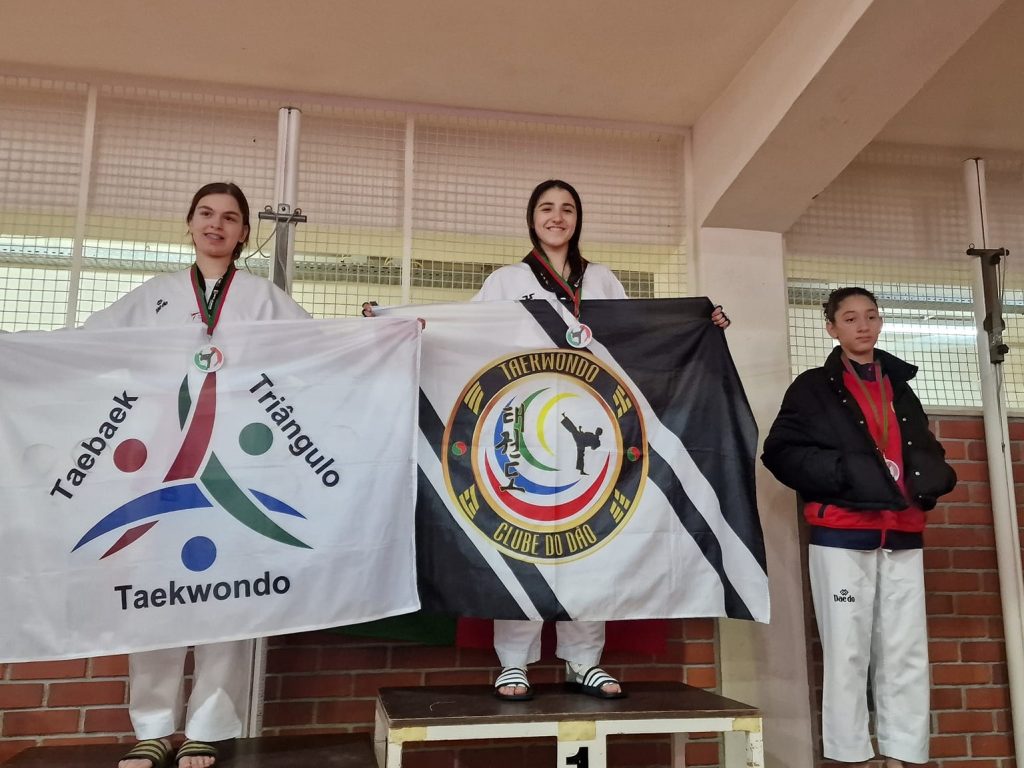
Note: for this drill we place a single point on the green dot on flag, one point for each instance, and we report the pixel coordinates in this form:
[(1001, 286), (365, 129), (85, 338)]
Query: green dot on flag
[(256, 439)]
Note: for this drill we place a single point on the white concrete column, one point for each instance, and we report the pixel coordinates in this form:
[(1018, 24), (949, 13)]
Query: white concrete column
[(763, 665)]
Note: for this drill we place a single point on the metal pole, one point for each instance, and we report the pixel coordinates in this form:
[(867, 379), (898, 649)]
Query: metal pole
[(252, 724), (282, 266), (282, 269), (407, 193), (81, 209), (1000, 472)]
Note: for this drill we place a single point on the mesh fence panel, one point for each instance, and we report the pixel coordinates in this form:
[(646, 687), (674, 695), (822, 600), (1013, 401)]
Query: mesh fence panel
[(472, 180), (351, 183), (152, 151), (42, 126), (894, 222), (418, 206)]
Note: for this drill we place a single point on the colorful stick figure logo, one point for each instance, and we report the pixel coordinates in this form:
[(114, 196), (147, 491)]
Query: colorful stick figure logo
[(579, 335), (208, 359), (196, 479), (545, 454)]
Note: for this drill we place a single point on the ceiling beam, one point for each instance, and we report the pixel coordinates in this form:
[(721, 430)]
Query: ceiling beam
[(820, 88)]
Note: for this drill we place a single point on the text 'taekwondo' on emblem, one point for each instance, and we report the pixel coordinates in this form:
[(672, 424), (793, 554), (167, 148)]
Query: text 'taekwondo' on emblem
[(545, 454)]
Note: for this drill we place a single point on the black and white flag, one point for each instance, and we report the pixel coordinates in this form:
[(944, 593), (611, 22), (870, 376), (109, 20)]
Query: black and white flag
[(614, 481)]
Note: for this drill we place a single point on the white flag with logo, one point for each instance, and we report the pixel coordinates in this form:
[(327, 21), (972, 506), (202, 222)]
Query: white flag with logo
[(161, 488), (598, 471)]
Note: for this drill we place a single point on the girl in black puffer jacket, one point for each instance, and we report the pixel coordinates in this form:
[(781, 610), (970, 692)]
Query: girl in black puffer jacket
[(853, 441)]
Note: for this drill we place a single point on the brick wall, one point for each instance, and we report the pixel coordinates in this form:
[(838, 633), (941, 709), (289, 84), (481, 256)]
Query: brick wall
[(63, 702), (322, 682)]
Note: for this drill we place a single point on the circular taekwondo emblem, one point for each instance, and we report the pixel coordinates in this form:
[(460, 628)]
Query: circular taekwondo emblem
[(545, 453)]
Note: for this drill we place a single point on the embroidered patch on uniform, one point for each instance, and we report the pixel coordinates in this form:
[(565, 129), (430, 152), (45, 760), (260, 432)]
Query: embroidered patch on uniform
[(844, 596), (160, 304)]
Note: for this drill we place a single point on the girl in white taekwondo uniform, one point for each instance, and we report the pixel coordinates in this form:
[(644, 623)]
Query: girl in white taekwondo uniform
[(209, 291), (555, 267)]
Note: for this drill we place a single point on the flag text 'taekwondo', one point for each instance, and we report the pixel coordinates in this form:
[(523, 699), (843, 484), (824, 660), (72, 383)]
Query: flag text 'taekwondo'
[(161, 488), (613, 481)]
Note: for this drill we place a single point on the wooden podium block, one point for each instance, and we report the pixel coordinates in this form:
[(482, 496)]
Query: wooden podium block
[(579, 724)]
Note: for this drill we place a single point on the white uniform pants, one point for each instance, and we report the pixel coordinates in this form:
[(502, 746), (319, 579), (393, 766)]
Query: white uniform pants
[(518, 642), (871, 613), (216, 705)]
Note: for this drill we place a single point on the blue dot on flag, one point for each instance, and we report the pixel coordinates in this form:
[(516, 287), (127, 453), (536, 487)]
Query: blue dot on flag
[(198, 553)]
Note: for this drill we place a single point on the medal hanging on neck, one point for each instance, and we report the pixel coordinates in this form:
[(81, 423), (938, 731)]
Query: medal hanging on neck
[(209, 358), (577, 335), (880, 415), (210, 308)]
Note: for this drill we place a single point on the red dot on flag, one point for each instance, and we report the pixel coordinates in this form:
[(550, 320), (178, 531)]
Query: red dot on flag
[(130, 455)]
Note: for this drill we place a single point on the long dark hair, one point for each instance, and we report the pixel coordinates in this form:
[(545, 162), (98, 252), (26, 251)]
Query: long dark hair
[(574, 258), (224, 188)]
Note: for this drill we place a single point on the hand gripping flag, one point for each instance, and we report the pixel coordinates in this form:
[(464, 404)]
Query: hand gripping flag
[(162, 488), (610, 482)]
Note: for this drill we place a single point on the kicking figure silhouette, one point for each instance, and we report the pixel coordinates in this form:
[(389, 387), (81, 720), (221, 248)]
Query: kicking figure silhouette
[(583, 440)]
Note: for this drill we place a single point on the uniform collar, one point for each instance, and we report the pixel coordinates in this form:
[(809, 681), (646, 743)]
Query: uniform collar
[(895, 368)]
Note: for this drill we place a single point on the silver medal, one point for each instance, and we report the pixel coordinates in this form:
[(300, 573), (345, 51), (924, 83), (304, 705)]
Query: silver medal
[(208, 358), (894, 469), (579, 335)]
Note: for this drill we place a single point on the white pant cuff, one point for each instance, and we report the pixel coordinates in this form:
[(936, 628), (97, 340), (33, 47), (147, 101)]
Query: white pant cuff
[(215, 735), (156, 728), (583, 661), (905, 752), (848, 755)]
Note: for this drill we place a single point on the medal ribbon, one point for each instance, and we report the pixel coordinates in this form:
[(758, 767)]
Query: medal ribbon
[(542, 268), (210, 309), (880, 416)]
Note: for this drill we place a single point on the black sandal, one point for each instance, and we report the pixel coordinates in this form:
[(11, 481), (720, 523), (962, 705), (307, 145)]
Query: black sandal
[(190, 748), (591, 682), (157, 751), (513, 676)]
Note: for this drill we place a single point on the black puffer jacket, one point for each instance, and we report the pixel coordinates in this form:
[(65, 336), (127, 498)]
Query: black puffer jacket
[(820, 445)]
